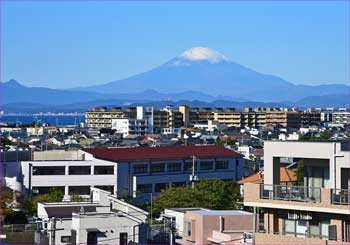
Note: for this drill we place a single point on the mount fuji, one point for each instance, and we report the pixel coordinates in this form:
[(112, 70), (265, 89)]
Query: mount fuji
[(208, 71)]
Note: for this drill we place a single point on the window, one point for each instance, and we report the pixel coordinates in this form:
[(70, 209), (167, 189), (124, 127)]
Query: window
[(65, 239), (174, 167), (109, 188), (144, 188), (79, 190), (157, 167), (188, 166), (221, 164), (79, 170), (47, 189), (160, 186), (104, 170), (178, 184), (123, 238), (139, 169), (188, 230), (206, 165), (52, 170)]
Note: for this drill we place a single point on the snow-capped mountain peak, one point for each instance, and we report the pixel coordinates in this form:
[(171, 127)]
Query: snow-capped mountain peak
[(203, 54)]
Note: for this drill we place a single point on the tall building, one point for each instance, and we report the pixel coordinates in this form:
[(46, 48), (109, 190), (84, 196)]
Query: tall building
[(313, 212)]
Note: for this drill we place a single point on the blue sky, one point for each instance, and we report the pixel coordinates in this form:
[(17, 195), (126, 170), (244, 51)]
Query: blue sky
[(68, 44)]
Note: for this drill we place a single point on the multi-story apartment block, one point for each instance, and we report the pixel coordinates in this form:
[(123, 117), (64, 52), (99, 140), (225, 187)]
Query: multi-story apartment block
[(341, 117), (102, 117), (310, 117), (127, 126), (315, 212), (282, 117), (134, 171)]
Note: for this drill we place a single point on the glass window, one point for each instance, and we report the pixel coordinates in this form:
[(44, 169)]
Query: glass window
[(324, 229), (157, 167), (47, 189), (139, 168), (290, 226), (65, 239), (206, 165), (188, 229), (221, 164), (160, 186), (178, 184), (79, 170), (174, 167), (52, 170), (103, 170), (79, 190), (144, 188), (188, 166), (109, 188)]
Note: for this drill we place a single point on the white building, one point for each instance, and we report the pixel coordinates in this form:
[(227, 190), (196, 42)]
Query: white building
[(209, 125), (135, 171), (103, 220)]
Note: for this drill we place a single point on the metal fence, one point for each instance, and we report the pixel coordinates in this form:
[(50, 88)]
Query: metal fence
[(290, 193), (340, 196), (20, 228)]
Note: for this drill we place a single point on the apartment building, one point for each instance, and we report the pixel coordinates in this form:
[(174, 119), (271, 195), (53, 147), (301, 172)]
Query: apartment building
[(281, 117), (135, 171), (341, 117), (316, 212), (101, 117), (310, 117), (104, 219), (128, 127)]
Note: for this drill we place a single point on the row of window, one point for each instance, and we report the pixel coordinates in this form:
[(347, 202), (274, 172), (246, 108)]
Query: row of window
[(78, 190), (177, 166), (72, 170), (148, 188)]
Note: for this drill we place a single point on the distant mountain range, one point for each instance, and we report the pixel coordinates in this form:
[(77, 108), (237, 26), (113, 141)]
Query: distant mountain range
[(199, 77)]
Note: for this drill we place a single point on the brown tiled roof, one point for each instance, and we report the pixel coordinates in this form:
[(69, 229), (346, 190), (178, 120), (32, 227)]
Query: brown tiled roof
[(286, 175)]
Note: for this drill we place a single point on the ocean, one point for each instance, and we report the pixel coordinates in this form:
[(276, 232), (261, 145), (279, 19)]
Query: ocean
[(53, 120)]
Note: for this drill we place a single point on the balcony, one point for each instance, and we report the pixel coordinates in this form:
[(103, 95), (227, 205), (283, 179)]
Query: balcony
[(340, 196), (290, 193), (299, 197)]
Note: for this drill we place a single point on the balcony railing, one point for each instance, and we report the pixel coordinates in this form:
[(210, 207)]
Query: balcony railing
[(340, 196), (290, 193)]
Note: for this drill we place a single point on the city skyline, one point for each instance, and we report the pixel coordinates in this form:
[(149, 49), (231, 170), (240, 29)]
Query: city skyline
[(70, 44)]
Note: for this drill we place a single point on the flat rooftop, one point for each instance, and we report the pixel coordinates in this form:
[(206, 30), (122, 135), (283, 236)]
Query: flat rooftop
[(220, 212)]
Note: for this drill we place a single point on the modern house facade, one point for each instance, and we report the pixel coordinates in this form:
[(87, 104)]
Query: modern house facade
[(317, 212), (205, 226), (102, 220)]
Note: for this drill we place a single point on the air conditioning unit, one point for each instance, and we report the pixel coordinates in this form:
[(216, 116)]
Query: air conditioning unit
[(293, 215)]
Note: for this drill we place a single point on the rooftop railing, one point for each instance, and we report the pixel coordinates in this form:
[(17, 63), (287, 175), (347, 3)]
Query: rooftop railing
[(290, 193), (340, 196)]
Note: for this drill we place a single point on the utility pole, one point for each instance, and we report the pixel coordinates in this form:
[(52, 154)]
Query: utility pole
[(193, 177)]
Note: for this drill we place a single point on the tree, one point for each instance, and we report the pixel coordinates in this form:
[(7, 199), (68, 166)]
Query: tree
[(300, 173), (225, 142), (208, 193), (31, 204)]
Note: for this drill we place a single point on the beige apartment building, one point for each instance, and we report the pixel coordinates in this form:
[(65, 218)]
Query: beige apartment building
[(101, 117), (317, 212)]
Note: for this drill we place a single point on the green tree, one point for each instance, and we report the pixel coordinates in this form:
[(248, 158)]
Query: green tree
[(75, 198), (225, 142), (300, 173), (30, 204), (208, 193)]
